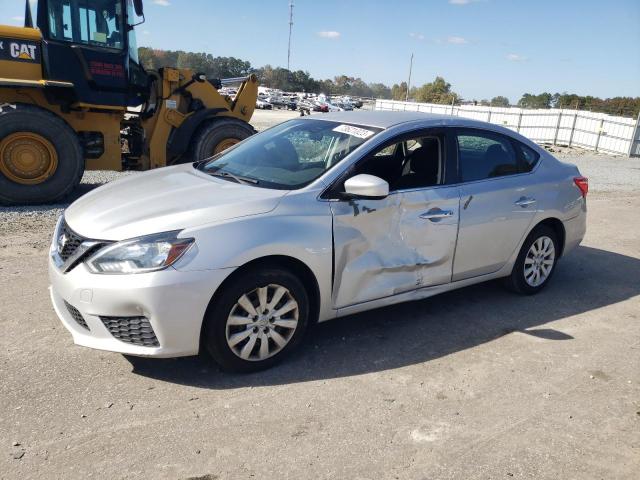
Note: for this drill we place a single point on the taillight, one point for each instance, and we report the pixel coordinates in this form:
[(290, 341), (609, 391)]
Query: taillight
[(583, 184)]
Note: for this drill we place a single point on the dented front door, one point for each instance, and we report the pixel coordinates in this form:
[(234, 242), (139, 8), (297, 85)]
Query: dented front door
[(385, 247)]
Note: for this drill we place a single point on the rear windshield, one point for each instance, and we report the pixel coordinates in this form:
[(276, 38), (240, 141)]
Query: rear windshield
[(288, 156)]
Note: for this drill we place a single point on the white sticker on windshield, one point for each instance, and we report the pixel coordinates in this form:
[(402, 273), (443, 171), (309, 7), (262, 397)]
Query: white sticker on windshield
[(354, 131)]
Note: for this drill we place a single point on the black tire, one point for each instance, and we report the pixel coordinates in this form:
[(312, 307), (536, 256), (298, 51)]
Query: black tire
[(209, 135), (517, 281), (215, 321), (31, 119)]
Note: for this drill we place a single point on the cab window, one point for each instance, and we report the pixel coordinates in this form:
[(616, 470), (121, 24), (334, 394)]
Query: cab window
[(98, 23)]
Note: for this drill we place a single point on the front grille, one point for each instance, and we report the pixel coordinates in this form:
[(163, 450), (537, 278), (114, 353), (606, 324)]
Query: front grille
[(73, 249), (68, 242), (85, 256), (134, 330), (77, 316)]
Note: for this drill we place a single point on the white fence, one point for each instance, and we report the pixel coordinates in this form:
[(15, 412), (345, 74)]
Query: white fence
[(589, 130)]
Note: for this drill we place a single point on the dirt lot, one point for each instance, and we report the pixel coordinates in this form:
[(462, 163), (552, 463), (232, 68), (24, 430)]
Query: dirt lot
[(478, 383)]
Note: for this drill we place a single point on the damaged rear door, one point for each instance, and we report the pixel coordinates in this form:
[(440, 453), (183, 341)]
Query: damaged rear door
[(397, 244)]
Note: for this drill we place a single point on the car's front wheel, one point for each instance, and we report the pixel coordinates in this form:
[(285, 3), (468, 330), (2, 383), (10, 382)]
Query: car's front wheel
[(536, 261), (256, 320)]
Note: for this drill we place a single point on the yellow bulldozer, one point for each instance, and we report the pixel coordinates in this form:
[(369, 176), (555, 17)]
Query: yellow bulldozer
[(74, 96)]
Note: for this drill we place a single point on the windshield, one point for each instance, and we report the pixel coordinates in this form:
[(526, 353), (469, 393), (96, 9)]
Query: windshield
[(289, 156)]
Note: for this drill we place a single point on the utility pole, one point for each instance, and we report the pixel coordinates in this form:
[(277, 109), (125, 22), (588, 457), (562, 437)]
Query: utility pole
[(406, 98), (290, 29)]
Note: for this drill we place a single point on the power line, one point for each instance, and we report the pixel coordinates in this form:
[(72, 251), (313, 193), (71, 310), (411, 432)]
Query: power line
[(290, 29)]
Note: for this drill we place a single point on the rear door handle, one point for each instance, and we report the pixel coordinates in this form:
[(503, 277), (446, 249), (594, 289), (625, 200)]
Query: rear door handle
[(435, 214), (524, 202)]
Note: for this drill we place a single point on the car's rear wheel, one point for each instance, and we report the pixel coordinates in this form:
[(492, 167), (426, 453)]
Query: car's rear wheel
[(256, 320), (536, 261)]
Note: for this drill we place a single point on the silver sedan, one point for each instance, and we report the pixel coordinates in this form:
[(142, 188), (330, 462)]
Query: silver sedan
[(313, 219)]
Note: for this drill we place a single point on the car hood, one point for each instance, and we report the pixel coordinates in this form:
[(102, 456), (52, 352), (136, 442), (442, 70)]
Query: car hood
[(165, 199)]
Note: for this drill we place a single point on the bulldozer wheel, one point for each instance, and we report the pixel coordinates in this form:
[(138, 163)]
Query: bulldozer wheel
[(41, 158), (27, 158), (218, 135), (224, 144)]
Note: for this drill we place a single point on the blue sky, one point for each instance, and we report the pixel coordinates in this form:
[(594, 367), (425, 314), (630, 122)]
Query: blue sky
[(482, 47)]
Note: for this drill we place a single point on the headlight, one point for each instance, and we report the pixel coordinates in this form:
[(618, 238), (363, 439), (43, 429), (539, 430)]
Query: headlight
[(140, 255)]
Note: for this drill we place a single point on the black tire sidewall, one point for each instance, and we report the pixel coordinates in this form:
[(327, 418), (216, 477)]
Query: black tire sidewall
[(28, 118), (517, 280), (218, 312), (213, 132)]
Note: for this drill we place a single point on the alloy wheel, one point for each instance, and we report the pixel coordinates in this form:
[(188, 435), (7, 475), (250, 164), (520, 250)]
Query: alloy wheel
[(539, 261), (262, 322)]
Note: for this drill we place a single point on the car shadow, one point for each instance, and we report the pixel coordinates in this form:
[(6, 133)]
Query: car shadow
[(421, 331)]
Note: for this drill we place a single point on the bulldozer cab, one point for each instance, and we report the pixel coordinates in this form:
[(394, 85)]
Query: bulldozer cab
[(92, 44)]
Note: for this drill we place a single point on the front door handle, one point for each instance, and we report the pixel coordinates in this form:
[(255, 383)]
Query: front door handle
[(524, 202), (435, 214)]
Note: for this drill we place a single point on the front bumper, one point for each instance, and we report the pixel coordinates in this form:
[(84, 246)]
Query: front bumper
[(174, 302)]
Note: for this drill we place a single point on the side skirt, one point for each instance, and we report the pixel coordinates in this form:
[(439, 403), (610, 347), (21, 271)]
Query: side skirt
[(422, 292)]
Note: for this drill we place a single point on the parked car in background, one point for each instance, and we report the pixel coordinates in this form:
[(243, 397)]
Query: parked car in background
[(291, 103), (313, 219), (331, 107), (320, 107), (263, 105), (342, 104)]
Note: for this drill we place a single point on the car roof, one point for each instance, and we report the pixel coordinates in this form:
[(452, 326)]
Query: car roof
[(388, 119), (382, 119)]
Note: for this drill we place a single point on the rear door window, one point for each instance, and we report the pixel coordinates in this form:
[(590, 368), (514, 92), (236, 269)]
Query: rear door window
[(483, 155), (527, 156)]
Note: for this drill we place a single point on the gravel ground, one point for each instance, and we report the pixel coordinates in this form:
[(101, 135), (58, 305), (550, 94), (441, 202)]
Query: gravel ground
[(606, 173), (472, 384)]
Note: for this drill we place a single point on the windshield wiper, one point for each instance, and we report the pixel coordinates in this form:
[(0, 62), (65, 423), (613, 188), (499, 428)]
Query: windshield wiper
[(235, 178)]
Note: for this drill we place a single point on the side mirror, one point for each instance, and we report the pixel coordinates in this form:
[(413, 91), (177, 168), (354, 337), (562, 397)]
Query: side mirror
[(366, 186), (139, 9)]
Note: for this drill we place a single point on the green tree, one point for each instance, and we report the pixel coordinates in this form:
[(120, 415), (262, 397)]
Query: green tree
[(399, 92), (542, 100), (438, 91), (227, 67), (380, 90), (500, 101)]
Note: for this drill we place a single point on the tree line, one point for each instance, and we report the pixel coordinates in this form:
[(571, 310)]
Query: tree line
[(272, 77), (437, 91), (622, 106)]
